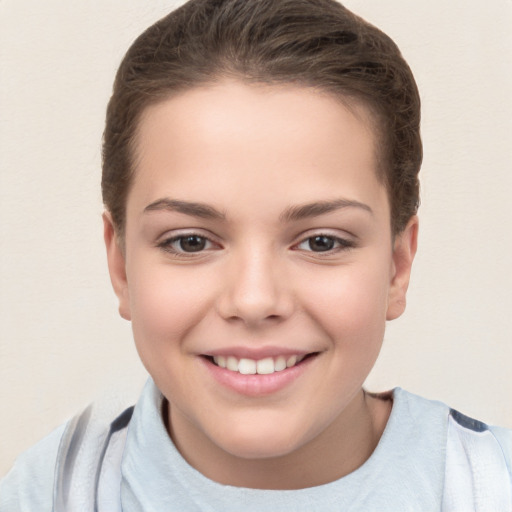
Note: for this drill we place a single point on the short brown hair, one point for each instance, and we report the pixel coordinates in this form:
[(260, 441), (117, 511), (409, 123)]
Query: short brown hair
[(311, 43)]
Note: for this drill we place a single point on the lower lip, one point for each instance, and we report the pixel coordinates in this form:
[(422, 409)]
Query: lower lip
[(257, 385)]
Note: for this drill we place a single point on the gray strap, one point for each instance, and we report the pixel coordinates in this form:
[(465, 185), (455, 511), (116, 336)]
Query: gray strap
[(89, 441), (108, 485), (476, 477)]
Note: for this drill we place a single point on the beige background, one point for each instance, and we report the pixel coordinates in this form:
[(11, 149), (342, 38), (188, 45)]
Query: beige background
[(62, 344)]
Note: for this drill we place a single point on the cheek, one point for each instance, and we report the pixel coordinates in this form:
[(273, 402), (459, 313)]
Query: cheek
[(165, 304), (351, 305)]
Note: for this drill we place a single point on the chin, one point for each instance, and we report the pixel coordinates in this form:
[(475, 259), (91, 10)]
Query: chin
[(259, 443)]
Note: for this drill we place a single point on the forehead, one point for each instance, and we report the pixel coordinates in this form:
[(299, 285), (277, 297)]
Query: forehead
[(255, 139)]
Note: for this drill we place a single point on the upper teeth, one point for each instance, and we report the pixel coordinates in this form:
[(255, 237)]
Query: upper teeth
[(262, 366)]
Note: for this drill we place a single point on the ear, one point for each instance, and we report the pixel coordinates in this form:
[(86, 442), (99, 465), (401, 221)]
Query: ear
[(116, 266), (404, 250)]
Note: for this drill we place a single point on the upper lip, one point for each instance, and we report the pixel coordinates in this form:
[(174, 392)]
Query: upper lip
[(256, 353)]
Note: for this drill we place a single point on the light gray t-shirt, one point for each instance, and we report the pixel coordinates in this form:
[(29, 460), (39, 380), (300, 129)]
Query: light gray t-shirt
[(406, 472)]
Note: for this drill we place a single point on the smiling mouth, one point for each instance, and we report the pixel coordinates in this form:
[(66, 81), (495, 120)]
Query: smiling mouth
[(265, 366)]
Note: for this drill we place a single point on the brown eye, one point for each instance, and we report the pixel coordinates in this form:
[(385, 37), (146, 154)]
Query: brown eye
[(188, 245), (192, 243), (324, 244), (321, 243)]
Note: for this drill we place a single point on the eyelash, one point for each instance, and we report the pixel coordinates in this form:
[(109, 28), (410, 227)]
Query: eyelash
[(167, 245), (340, 244)]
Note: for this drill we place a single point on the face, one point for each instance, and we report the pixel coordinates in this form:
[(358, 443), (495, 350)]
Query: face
[(259, 267)]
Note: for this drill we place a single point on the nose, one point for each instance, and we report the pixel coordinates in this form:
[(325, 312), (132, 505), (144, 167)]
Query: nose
[(255, 289)]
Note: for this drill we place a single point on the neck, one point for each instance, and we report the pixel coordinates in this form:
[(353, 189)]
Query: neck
[(340, 449)]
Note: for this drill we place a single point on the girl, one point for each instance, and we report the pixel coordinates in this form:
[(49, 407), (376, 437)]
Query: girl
[(260, 166)]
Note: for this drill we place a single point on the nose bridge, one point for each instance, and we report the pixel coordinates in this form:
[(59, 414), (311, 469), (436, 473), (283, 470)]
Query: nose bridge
[(256, 288)]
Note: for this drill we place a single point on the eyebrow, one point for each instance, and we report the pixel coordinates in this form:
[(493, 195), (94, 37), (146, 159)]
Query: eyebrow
[(292, 213), (299, 212), (200, 210)]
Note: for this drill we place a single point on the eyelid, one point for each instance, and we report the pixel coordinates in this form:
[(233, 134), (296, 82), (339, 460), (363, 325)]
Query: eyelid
[(165, 241), (344, 242), (182, 232)]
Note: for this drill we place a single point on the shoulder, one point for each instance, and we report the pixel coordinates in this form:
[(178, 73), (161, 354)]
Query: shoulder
[(421, 413), (29, 484), (478, 465), (62, 467), (473, 434), (459, 431)]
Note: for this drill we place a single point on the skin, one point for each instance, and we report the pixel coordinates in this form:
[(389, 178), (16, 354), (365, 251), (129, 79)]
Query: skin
[(257, 154)]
